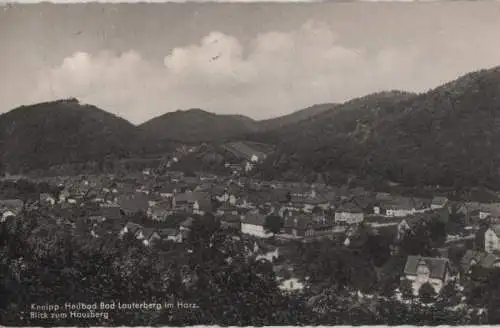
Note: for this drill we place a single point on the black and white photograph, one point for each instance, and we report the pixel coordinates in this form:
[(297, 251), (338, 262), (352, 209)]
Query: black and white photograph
[(250, 163)]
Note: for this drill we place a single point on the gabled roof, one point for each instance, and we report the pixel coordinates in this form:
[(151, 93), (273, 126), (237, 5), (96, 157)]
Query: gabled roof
[(439, 200), (230, 218), (254, 219), (349, 208), (309, 199), (403, 203), (437, 266), (148, 232), (192, 197)]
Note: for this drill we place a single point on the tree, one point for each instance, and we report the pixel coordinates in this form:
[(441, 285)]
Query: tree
[(437, 231), (427, 293), (378, 246), (406, 289), (418, 241), (273, 223), (317, 210), (449, 296), (388, 286)]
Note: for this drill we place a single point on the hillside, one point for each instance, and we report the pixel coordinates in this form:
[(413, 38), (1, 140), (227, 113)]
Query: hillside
[(196, 125), (213, 157), (447, 136), (60, 132), (331, 123), (295, 117)]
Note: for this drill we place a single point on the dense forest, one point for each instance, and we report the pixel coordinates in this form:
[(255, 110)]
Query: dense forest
[(442, 137)]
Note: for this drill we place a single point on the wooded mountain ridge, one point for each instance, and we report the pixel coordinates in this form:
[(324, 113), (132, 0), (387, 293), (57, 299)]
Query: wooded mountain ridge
[(445, 136)]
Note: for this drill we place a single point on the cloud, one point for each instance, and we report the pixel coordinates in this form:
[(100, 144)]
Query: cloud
[(275, 73)]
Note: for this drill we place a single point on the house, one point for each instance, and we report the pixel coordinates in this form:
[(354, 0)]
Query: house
[(308, 226), (308, 200), (291, 285), (10, 207), (226, 197), (470, 211), (231, 221), (167, 191), (349, 214), (192, 202), (148, 236), (439, 202), (174, 235), (298, 226), (254, 224), (401, 207), (472, 258), (131, 228), (420, 270), (227, 208), (160, 211), (492, 239)]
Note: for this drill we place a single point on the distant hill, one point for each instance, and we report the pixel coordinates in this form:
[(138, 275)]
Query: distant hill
[(65, 131), (447, 136), (196, 126)]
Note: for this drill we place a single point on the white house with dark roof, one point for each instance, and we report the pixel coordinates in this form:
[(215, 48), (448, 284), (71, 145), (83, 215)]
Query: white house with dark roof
[(254, 224), (349, 214), (492, 239), (401, 207), (420, 270)]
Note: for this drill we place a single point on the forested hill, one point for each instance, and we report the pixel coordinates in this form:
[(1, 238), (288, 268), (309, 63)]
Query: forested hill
[(65, 131), (196, 126), (446, 136)]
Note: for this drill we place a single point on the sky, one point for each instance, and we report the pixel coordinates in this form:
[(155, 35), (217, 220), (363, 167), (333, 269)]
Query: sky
[(256, 59)]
